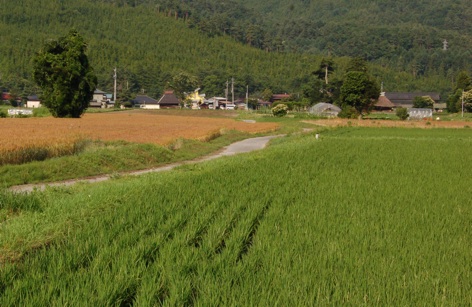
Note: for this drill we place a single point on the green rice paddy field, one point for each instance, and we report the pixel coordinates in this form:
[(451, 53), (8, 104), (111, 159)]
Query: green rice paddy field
[(361, 216)]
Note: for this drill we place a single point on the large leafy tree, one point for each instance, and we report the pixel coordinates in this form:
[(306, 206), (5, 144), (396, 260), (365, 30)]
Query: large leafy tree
[(183, 83), (359, 90), (463, 84), (63, 72)]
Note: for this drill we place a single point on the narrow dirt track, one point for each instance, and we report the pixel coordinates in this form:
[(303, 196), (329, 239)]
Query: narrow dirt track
[(244, 146)]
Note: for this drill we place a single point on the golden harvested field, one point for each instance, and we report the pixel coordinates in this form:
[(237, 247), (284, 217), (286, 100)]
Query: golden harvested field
[(139, 127)]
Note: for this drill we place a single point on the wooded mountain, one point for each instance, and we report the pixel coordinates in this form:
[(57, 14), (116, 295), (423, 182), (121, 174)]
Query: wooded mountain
[(151, 40), (145, 45), (410, 35)]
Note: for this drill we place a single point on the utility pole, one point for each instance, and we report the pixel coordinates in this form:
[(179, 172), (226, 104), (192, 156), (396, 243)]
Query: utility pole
[(226, 91), (462, 102), (114, 85), (247, 97), (232, 90)]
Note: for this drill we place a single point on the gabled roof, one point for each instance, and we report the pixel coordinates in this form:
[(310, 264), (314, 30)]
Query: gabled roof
[(33, 98), (97, 91), (277, 97), (143, 99), (169, 99), (384, 102)]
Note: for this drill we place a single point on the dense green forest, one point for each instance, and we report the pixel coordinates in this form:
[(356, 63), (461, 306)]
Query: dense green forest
[(410, 35), (404, 34), (149, 41)]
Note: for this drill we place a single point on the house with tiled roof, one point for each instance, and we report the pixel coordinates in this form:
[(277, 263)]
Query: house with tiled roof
[(169, 101), (146, 102), (405, 99), (279, 97), (100, 100)]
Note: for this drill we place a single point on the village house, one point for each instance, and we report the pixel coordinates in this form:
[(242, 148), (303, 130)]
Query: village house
[(279, 97), (390, 100), (33, 102), (405, 100), (169, 101), (101, 99), (383, 103), (146, 102)]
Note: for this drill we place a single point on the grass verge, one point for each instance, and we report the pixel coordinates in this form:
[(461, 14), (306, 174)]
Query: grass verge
[(111, 157)]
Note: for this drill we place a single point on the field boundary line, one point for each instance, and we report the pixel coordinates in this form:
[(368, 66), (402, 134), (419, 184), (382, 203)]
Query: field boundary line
[(244, 146)]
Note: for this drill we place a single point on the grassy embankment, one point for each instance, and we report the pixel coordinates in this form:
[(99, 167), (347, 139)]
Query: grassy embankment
[(85, 158), (361, 216), (97, 157)]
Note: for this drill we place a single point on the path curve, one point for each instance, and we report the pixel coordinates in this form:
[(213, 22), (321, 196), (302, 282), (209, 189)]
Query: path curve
[(243, 146)]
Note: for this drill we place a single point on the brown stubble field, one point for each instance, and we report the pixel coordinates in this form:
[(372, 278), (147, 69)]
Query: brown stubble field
[(139, 127)]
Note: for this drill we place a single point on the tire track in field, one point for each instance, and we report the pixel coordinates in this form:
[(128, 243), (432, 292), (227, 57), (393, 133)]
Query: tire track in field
[(228, 230), (202, 230), (247, 243)]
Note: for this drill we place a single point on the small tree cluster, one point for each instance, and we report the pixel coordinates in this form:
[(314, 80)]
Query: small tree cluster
[(402, 113), (423, 102), (463, 85), (280, 110)]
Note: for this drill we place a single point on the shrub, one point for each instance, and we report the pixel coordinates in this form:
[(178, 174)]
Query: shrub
[(41, 112), (348, 112), (423, 102), (280, 110), (3, 114), (402, 113)]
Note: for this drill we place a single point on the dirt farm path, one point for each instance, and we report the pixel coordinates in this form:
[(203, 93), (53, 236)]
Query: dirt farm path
[(243, 146)]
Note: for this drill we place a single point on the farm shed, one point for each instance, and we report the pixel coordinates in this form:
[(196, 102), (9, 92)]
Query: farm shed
[(325, 109)]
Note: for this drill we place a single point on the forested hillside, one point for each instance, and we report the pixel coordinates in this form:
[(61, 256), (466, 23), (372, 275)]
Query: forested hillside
[(422, 38), (409, 35), (145, 45), (396, 33), (149, 41)]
